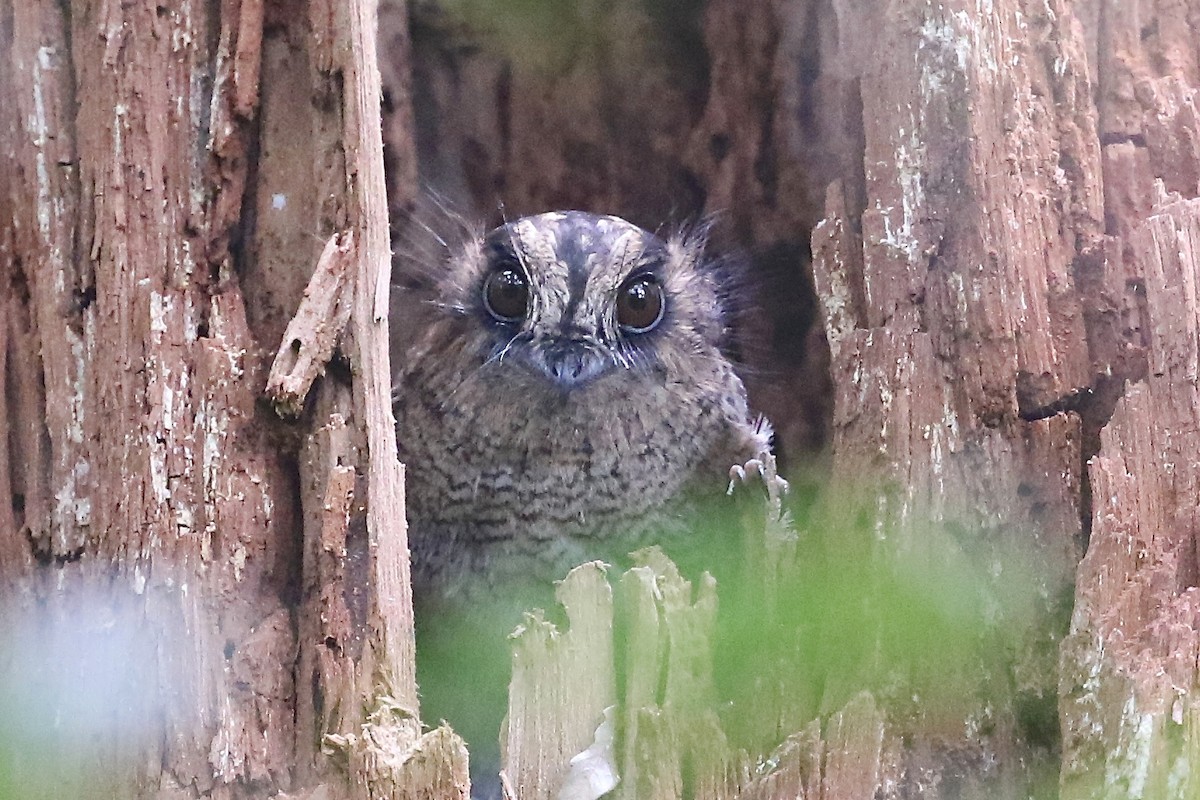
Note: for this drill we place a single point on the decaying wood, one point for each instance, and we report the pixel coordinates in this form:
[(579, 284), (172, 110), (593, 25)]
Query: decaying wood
[(56, 497), (1129, 666), (848, 762), (311, 335), (367, 670), (156, 526), (152, 572), (665, 723), (562, 680), (950, 307), (391, 623), (1127, 678), (672, 731), (1005, 225)]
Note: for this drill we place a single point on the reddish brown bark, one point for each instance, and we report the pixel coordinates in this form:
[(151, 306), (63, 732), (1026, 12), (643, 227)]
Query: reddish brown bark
[(1003, 219), (150, 503), (982, 271), (1128, 667), (154, 579)]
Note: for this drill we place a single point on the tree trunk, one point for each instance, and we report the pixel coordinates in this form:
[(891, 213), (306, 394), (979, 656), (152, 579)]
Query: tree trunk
[(974, 233), (995, 270), (202, 599)]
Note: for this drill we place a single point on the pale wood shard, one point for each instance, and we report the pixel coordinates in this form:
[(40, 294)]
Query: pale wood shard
[(313, 333), (651, 756), (644, 653), (793, 771), (669, 736), (394, 765), (387, 529), (370, 680), (562, 680), (854, 751), (436, 769)]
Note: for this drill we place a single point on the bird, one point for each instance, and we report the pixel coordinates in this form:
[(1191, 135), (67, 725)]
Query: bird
[(563, 392)]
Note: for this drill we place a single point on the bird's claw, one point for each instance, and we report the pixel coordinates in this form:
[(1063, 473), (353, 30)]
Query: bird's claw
[(761, 469)]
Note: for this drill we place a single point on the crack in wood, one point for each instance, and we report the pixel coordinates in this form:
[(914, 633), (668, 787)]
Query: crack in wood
[(1076, 400)]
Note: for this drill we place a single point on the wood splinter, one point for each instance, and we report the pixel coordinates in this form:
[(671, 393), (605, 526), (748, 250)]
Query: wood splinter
[(313, 333)]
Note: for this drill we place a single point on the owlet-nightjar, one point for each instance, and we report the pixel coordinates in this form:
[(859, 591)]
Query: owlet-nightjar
[(562, 395)]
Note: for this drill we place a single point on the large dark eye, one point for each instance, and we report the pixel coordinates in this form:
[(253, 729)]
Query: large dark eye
[(506, 295), (640, 304)]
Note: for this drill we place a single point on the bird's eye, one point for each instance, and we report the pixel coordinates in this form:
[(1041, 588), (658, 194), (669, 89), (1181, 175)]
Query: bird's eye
[(640, 304), (506, 295)]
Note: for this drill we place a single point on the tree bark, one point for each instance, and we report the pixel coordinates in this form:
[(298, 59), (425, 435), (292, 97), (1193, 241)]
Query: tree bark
[(974, 234), (203, 599), (1128, 681), (995, 272)]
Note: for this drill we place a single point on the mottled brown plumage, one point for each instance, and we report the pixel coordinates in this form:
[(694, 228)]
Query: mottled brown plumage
[(545, 438), (561, 395)]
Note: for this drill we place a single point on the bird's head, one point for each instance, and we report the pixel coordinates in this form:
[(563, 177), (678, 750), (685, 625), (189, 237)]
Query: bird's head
[(565, 300)]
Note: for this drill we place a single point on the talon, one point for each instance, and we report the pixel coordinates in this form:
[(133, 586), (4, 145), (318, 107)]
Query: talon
[(737, 475), (742, 474), (762, 469)]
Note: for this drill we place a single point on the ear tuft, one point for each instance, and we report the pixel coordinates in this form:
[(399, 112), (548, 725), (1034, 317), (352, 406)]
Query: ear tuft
[(699, 255), (432, 247)]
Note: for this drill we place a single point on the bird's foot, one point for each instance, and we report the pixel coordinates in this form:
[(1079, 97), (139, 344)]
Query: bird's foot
[(760, 470)]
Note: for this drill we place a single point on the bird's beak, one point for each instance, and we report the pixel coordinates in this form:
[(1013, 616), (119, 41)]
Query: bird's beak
[(567, 364)]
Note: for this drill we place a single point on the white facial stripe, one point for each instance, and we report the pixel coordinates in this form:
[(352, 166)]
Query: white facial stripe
[(606, 271), (537, 247), (612, 248)]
